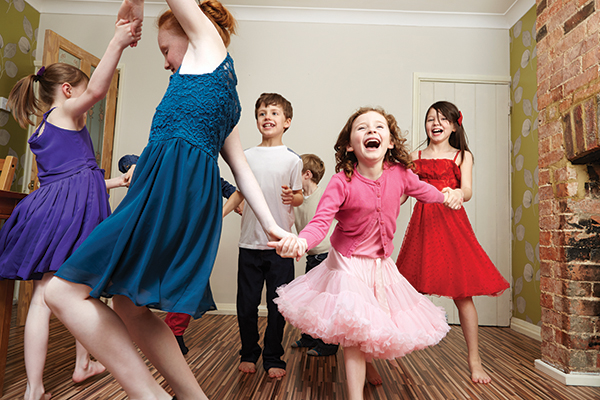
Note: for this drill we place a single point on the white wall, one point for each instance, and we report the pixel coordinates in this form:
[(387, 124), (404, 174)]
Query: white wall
[(325, 70)]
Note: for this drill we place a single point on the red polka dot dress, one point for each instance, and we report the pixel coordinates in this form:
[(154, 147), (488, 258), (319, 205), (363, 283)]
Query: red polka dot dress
[(440, 254)]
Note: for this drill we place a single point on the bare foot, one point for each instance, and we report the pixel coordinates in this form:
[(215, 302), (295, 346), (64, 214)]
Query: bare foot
[(29, 395), (247, 367), (93, 368), (478, 375), (373, 376), (276, 373)]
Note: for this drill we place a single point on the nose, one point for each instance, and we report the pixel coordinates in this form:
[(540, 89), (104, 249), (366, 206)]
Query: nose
[(167, 64)]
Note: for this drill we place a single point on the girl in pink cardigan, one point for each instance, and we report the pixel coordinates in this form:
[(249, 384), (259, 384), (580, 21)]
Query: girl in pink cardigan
[(357, 297)]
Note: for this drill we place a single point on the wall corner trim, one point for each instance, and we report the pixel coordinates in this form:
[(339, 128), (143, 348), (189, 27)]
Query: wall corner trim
[(526, 328), (572, 379)]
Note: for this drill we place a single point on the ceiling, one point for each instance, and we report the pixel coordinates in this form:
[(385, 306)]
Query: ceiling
[(501, 14), (458, 6)]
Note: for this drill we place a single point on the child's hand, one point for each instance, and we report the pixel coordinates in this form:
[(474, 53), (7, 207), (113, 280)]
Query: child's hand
[(287, 195), (239, 209), (125, 35), (133, 10), (127, 176), (290, 246), (453, 198)]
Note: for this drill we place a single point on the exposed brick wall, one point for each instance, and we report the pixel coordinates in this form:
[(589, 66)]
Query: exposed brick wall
[(568, 37)]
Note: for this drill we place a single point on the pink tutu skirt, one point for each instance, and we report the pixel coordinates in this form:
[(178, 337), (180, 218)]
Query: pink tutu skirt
[(362, 302)]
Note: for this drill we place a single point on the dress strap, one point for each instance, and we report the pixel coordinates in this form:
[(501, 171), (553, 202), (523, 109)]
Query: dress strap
[(456, 156), (419, 154)]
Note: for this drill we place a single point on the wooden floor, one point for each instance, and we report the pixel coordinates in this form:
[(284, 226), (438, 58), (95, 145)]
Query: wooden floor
[(435, 373)]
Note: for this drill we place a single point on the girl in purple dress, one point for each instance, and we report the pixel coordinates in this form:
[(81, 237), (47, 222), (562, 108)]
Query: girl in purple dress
[(50, 223)]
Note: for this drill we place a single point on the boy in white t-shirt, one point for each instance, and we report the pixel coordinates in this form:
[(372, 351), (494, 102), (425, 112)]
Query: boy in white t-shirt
[(278, 171)]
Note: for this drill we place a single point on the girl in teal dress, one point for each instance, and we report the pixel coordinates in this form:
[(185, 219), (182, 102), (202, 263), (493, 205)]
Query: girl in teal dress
[(158, 248)]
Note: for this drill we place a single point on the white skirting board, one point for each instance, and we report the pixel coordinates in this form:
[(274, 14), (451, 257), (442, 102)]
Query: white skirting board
[(526, 328), (572, 379), (230, 309)]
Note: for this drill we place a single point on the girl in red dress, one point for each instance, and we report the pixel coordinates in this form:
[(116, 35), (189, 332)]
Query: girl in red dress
[(440, 254)]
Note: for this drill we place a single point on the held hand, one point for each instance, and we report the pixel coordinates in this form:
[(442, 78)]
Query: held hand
[(290, 246), (239, 209), (133, 11), (287, 195), (453, 198), (127, 176), (124, 34)]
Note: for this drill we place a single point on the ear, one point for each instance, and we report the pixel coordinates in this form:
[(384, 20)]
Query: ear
[(287, 123), (349, 149), (391, 145), (67, 90)]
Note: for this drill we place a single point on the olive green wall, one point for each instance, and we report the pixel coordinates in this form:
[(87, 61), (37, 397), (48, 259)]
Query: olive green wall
[(524, 137), (18, 40)]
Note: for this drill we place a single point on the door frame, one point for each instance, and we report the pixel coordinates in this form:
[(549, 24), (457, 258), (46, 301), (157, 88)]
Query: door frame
[(505, 313), (53, 42)]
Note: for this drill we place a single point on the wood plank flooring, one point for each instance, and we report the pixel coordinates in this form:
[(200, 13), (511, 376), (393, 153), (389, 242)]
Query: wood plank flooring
[(435, 373)]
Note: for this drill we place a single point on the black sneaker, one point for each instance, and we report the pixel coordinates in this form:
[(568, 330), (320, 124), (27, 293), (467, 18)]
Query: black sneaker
[(304, 342), (181, 343), (323, 349)]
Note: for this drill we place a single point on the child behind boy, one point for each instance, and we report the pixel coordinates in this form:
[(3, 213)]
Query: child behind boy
[(278, 171), (313, 170)]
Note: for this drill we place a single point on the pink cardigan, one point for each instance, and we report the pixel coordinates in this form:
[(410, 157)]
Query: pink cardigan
[(361, 203)]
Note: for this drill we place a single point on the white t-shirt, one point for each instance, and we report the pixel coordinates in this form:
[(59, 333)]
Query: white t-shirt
[(273, 167)]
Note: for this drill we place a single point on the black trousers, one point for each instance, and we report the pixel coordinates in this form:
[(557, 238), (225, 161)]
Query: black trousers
[(255, 267)]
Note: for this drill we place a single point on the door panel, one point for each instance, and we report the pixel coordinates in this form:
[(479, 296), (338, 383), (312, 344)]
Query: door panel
[(485, 106)]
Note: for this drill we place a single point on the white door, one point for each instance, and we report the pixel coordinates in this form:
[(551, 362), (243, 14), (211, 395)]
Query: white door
[(485, 107)]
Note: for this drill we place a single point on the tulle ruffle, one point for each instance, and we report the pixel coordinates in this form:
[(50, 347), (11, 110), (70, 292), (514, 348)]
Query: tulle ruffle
[(362, 302)]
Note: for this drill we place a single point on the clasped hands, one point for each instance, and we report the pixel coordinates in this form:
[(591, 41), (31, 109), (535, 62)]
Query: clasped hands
[(290, 246), (453, 198)]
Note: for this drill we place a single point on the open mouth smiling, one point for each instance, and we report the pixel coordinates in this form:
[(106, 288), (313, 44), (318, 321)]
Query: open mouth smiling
[(372, 143)]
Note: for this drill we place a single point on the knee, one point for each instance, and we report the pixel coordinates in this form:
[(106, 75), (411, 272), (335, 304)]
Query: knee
[(125, 308), (52, 293)]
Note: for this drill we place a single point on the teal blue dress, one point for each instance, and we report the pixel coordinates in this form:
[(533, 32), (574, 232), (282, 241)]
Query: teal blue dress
[(159, 246)]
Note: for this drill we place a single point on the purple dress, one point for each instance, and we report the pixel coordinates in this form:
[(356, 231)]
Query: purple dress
[(50, 223)]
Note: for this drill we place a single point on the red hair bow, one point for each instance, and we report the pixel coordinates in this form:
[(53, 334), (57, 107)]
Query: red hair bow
[(460, 118)]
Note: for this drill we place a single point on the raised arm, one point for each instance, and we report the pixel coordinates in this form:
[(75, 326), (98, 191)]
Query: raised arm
[(206, 49), (100, 81)]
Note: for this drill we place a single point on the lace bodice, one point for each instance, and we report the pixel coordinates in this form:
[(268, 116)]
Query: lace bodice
[(200, 109)]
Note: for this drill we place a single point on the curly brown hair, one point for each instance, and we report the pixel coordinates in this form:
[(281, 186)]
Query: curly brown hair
[(346, 161)]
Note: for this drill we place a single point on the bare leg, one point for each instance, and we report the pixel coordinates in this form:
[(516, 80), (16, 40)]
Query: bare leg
[(37, 328), (373, 376), (469, 323), (156, 340), (84, 367), (354, 360), (102, 332)]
